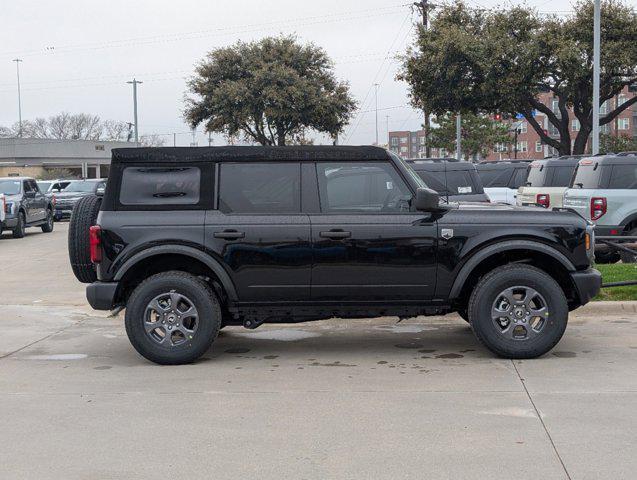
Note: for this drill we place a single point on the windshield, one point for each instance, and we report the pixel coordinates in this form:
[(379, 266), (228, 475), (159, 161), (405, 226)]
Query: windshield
[(10, 187), (44, 186), (587, 176), (414, 176), (81, 187)]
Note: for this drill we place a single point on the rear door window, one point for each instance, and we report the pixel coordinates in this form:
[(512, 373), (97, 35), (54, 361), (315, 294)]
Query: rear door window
[(623, 176), (495, 177), (562, 176), (458, 182), (519, 178), (161, 186), (260, 188)]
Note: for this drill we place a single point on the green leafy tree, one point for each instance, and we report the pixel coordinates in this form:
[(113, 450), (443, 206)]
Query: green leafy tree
[(474, 60), (271, 91), (617, 144), (479, 134)]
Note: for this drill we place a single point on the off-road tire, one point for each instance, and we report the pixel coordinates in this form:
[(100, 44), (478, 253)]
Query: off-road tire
[(625, 256), (20, 229), (83, 218), (203, 298), (485, 294), (47, 227)]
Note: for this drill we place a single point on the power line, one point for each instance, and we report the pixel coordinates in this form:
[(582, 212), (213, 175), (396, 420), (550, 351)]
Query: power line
[(223, 31), (375, 80)]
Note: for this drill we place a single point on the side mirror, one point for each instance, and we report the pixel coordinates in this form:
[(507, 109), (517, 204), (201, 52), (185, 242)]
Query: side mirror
[(427, 200)]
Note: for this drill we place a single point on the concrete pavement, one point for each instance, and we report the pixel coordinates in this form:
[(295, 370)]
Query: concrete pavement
[(366, 399)]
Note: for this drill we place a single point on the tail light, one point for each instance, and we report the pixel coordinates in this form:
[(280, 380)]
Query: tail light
[(95, 243), (543, 200), (598, 207)]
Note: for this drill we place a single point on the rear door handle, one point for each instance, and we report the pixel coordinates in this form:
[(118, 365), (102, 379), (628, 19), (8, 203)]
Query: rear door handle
[(335, 234), (229, 235)]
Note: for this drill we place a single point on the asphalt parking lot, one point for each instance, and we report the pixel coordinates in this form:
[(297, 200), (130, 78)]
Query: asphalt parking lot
[(368, 399)]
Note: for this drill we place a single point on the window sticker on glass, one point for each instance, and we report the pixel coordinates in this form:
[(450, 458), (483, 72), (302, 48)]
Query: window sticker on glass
[(390, 185), (465, 189)]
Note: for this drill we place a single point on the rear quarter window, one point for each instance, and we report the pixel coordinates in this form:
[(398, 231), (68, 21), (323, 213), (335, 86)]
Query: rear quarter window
[(160, 186), (623, 176), (495, 177)]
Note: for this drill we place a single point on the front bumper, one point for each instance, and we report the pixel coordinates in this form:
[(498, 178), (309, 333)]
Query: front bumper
[(587, 283), (101, 295)]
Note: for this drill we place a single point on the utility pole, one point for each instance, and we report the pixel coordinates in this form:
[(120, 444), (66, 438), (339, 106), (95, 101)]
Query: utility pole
[(459, 137), (210, 139), (376, 85), (387, 122), (17, 67), (174, 139), (596, 60), (424, 6), (135, 82)]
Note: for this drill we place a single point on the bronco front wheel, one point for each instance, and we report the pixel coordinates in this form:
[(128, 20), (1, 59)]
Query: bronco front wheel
[(172, 318), (518, 311)]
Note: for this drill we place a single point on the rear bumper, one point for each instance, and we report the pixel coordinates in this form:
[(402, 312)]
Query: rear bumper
[(587, 283), (608, 230), (101, 295)]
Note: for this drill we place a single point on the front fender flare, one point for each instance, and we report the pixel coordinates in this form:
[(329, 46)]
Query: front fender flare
[(492, 249), (209, 261)]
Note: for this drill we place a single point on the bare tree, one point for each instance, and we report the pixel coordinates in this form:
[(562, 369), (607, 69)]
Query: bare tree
[(67, 126), (151, 140)]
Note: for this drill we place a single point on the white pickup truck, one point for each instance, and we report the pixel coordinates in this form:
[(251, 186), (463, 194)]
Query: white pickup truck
[(3, 207), (502, 178)]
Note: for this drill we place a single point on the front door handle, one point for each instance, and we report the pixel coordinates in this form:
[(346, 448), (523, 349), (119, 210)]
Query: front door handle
[(335, 234), (229, 235)]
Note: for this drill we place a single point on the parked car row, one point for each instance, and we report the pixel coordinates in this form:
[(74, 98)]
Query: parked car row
[(602, 188), (26, 203)]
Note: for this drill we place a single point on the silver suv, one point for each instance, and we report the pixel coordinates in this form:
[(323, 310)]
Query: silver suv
[(604, 190), (547, 181)]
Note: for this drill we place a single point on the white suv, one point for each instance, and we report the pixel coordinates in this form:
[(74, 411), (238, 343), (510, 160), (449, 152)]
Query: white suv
[(604, 190), (547, 181)]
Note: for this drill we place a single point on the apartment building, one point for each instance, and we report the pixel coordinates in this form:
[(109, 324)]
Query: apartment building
[(529, 144)]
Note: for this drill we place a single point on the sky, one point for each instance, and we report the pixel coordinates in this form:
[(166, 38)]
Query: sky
[(77, 55)]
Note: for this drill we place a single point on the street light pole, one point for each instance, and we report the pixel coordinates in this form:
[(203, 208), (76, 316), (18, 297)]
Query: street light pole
[(134, 82), (459, 137), (17, 67), (596, 60), (376, 85)]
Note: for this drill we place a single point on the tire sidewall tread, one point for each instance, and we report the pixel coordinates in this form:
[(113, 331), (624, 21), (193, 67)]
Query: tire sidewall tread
[(501, 278), (208, 308)]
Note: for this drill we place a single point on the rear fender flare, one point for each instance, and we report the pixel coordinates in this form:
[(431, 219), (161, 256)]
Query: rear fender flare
[(209, 261)]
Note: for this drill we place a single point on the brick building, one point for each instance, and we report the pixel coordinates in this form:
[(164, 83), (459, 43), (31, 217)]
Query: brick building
[(412, 144)]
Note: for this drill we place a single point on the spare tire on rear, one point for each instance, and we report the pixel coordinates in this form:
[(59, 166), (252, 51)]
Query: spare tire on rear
[(83, 218)]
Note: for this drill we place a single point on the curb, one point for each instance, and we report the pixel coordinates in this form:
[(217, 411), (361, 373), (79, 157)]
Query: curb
[(613, 308)]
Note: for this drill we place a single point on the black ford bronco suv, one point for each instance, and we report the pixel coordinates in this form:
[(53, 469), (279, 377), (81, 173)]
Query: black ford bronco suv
[(190, 240)]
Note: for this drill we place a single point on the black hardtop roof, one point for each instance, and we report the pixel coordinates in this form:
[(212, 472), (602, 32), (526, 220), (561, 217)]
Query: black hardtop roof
[(503, 165), (244, 153), (442, 166)]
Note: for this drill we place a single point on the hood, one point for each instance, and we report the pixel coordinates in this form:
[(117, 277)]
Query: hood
[(70, 195), (505, 214), (11, 198)]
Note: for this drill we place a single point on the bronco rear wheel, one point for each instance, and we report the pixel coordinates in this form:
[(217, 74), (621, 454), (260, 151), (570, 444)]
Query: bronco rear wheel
[(83, 218), (172, 318), (518, 311)]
